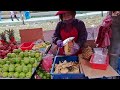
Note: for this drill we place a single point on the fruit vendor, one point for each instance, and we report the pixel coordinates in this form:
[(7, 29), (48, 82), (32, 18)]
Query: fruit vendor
[(69, 26)]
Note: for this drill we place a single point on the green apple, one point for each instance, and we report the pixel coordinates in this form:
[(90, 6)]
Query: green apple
[(16, 65), (37, 55), (13, 55), (32, 54), (26, 54), (9, 55), (1, 65), (35, 65), (16, 75), (17, 61), (22, 75), (11, 69), (8, 62), (18, 69), (29, 66), (6, 59), (25, 69), (5, 74), (3, 62), (21, 54), (26, 60), (32, 60), (5, 68), (28, 75), (10, 75), (1, 74)]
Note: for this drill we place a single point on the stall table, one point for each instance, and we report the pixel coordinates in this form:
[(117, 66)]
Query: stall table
[(96, 73)]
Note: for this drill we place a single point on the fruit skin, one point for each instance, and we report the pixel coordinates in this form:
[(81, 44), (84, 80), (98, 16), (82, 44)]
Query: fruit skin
[(9, 55), (28, 75), (1, 74), (26, 60), (32, 60), (32, 54), (16, 65), (22, 75), (25, 69), (10, 75), (21, 54), (18, 69), (37, 55), (13, 55), (26, 54), (2, 62), (16, 75), (11, 69), (7, 62), (29, 66), (5, 74), (35, 65), (5, 68)]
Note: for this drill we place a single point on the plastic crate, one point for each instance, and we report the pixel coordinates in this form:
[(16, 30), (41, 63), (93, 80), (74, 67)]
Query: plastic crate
[(99, 66), (27, 46), (65, 76)]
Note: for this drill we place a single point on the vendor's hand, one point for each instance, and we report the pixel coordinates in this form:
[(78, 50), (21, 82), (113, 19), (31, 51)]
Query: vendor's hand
[(75, 48), (60, 43)]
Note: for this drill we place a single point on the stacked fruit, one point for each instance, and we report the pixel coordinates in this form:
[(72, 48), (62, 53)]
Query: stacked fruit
[(42, 74), (19, 64), (7, 46), (41, 46)]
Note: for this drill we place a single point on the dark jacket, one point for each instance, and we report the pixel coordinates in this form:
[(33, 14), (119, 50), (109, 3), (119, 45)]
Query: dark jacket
[(79, 25)]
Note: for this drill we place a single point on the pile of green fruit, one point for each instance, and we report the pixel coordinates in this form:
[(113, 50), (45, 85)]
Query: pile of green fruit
[(19, 64), (43, 74)]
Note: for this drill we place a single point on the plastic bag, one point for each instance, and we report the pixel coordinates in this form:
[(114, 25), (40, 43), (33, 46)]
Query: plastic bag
[(47, 62), (100, 55)]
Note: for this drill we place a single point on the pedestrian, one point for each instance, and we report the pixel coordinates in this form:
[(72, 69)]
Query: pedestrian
[(70, 27), (13, 15)]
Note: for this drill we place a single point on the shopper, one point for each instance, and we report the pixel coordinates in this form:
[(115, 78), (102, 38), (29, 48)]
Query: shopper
[(70, 27), (13, 15)]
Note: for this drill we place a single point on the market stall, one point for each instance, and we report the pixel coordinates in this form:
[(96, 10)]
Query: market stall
[(33, 57)]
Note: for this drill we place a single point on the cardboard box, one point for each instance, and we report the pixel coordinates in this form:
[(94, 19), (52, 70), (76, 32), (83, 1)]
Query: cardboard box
[(31, 35)]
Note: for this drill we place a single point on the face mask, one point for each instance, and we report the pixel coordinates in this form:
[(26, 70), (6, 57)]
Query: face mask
[(68, 21)]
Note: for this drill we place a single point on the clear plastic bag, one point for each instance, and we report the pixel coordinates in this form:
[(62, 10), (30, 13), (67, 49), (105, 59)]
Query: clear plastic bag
[(100, 55), (47, 62)]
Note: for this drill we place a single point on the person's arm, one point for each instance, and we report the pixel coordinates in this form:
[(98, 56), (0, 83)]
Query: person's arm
[(56, 35), (82, 34)]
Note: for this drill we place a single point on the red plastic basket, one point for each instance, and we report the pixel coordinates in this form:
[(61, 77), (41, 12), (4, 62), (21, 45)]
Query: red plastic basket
[(27, 46), (99, 66)]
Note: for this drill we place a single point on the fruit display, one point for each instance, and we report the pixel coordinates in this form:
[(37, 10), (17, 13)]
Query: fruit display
[(7, 46), (41, 46), (87, 53), (41, 74), (67, 67), (19, 64)]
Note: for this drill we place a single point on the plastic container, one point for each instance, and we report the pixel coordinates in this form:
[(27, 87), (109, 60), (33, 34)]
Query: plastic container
[(27, 46), (99, 66), (65, 76)]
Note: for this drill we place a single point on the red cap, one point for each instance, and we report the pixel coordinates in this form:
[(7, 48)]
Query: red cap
[(61, 12)]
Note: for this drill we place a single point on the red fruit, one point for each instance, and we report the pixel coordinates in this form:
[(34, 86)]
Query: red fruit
[(11, 45), (3, 53)]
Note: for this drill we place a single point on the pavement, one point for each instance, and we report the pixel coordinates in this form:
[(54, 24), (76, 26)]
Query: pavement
[(8, 21)]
